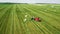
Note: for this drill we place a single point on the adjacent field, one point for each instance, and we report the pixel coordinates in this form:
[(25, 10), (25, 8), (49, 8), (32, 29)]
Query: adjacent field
[(12, 19)]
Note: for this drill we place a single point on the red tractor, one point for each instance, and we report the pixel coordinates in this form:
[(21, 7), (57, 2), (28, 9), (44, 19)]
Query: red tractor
[(36, 19)]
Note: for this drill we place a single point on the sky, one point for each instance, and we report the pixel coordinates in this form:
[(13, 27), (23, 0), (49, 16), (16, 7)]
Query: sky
[(32, 1)]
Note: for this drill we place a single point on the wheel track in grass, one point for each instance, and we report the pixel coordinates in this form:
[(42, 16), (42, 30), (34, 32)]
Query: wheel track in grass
[(35, 24), (33, 28)]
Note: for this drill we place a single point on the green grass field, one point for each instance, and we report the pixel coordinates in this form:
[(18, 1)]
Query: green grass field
[(12, 19)]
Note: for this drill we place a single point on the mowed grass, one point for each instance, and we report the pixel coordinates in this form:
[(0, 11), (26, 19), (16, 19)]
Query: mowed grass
[(12, 19)]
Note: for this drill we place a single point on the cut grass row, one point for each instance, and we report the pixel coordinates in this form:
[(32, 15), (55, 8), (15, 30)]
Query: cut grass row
[(12, 20)]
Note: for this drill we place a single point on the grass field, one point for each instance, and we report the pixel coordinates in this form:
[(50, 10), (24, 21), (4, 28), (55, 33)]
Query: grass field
[(12, 19)]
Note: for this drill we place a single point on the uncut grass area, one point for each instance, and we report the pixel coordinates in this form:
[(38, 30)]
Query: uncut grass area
[(12, 19)]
